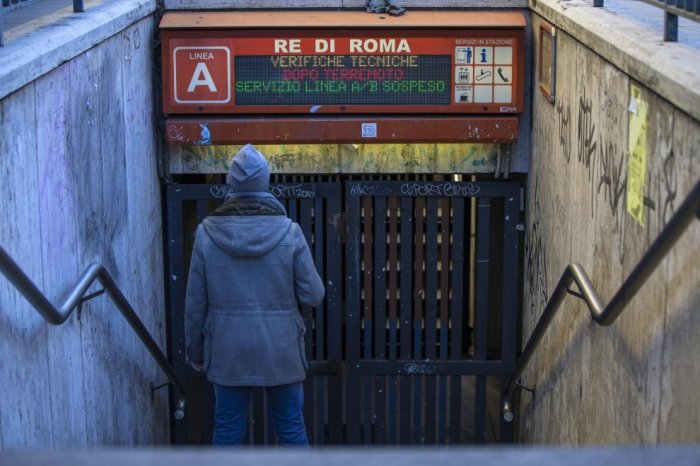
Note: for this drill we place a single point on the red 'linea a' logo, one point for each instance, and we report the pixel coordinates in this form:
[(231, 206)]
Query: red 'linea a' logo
[(202, 75)]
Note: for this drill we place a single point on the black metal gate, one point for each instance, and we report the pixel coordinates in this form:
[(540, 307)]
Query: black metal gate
[(419, 320), (317, 209), (409, 353)]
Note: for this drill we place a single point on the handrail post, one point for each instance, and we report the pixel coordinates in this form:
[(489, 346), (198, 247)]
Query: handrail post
[(670, 27)]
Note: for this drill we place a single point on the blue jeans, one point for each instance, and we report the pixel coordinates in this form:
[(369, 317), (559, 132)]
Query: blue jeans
[(285, 403)]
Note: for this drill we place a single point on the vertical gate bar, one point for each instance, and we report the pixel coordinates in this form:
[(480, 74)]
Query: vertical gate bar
[(285, 203), (333, 307), (405, 306), (480, 402), (258, 419), (176, 271), (270, 434), (483, 219), (393, 277), (379, 305), (368, 424), (431, 304), (207, 406), (303, 215), (202, 209), (367, 381), (444, 310), (310, 409), (293, 211), (290, 206), (392, 382), (419, 291), (319, 260), (457, 311), (319, 226), (511, 256), (353, 331), (304, 219), (670, 27), (418, 294), (367, 281)]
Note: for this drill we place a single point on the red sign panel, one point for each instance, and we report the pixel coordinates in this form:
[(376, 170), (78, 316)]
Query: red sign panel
[(202, 75), (397, 70)]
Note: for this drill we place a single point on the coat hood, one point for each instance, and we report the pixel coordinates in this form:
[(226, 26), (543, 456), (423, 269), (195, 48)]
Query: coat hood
[(247, 236)]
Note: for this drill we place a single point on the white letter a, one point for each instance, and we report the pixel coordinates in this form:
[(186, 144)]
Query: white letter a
[(201, 70)]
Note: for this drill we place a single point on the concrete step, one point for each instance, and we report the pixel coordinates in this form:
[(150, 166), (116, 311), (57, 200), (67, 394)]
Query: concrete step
[(409, 456)]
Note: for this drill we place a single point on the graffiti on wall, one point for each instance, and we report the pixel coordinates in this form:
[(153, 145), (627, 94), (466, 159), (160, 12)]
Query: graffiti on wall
[(597, 152), (563, 118), (536, 255), (586, 132), (593, 142)]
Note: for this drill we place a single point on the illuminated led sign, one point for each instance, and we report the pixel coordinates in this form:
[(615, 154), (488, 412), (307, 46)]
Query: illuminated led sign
[(343, 80), (348, 70)]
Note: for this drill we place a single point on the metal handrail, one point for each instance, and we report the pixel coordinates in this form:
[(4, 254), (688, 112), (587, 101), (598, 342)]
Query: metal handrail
[(672, 10), (57, 316), (604, 315)]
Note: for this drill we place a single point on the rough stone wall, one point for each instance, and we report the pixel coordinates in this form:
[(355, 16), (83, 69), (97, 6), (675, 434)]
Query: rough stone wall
[(79, 184), (634, 382)]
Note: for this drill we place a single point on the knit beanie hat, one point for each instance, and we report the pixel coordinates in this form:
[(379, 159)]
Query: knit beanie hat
[(249, 172)]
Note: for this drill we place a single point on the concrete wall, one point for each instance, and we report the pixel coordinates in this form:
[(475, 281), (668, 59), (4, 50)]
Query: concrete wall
[(634, 382), (78, 183)]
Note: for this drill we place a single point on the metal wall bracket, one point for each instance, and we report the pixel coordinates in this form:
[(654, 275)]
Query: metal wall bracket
[(519, 385), (87, 298), (154, 388), (179, 412), (575, 293)]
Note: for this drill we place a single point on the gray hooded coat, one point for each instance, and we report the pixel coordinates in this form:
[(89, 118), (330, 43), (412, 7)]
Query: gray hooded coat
[(251, 268)]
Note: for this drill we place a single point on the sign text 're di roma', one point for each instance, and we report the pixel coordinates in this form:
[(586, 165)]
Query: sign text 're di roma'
[(352, 45)]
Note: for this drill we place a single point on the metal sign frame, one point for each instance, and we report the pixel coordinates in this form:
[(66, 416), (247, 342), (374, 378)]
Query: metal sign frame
[(222, 38)]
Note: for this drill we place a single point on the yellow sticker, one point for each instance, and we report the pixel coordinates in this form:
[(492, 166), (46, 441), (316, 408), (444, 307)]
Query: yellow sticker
[(637, 163)]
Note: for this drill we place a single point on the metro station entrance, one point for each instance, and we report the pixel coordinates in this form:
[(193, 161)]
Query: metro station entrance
[(418, 329), (420, 315)]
